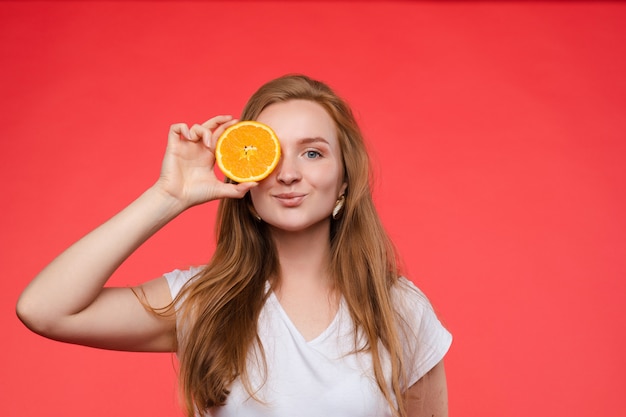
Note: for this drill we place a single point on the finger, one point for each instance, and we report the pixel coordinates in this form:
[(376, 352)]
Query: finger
[(214, 122), (218, 132), (199, 132), (179, 129)]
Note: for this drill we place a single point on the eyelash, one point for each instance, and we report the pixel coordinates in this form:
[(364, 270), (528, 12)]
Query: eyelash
[(309, 152)]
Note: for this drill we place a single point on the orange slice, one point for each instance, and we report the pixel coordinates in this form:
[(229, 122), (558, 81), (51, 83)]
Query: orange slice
[(247, 151)]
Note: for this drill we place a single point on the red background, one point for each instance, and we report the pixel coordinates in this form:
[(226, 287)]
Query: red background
[(498, 133)]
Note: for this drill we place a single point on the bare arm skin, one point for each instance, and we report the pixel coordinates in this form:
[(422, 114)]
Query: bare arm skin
[(67, 301), (428, 397)]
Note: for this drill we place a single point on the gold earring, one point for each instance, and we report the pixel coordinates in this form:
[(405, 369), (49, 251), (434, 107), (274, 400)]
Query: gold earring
[(338, 206)]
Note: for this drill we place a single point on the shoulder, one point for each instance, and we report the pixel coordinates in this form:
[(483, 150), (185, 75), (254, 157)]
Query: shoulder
[(408, 298), (413, 306), (424, 337), (178, 278)]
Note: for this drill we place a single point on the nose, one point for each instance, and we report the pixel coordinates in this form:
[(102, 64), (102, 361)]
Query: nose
[(288, 171)]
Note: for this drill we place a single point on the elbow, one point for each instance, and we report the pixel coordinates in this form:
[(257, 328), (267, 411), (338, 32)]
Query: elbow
[(26, 313), (33, 316)]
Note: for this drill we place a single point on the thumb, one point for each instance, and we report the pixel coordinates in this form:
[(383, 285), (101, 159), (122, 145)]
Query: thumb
[(231, 190)]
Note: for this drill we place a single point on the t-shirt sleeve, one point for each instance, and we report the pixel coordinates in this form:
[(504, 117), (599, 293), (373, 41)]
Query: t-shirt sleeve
[(425, 339), (178, 278)]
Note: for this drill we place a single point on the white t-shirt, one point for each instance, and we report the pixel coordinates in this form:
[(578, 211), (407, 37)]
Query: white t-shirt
[(323, 377)]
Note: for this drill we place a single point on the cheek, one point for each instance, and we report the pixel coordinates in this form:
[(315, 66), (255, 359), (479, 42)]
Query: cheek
[(260, 193), (329, 180), (255, 195)]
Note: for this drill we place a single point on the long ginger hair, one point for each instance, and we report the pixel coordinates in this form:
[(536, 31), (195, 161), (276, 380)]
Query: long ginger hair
[(220, 307)]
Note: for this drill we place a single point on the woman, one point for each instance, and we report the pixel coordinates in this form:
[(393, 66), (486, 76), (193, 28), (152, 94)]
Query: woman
[(301, 309)]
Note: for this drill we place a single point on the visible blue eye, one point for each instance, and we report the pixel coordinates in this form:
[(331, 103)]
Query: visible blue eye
[(313, 154)]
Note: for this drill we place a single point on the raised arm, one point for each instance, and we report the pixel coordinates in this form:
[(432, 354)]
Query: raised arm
[(66, 301)]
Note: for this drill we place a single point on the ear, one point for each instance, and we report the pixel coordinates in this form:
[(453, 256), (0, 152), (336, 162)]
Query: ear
[(343, 188)]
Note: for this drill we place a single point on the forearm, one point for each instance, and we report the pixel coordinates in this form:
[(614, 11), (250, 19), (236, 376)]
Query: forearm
[(75, 278)]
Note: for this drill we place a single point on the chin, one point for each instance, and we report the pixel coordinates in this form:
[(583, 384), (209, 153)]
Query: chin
[(299, 226)]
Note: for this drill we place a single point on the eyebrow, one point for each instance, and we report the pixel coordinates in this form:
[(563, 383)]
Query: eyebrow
[(306, 141)]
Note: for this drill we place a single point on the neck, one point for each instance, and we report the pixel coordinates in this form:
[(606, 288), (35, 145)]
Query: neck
[(304, 256)]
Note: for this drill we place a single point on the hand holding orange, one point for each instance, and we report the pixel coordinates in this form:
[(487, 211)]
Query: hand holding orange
[(247, 151)]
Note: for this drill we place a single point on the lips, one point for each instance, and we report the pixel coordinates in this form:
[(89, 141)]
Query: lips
[(290, 199)]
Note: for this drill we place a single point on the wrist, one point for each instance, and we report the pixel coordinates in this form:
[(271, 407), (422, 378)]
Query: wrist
[(167, 205)]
